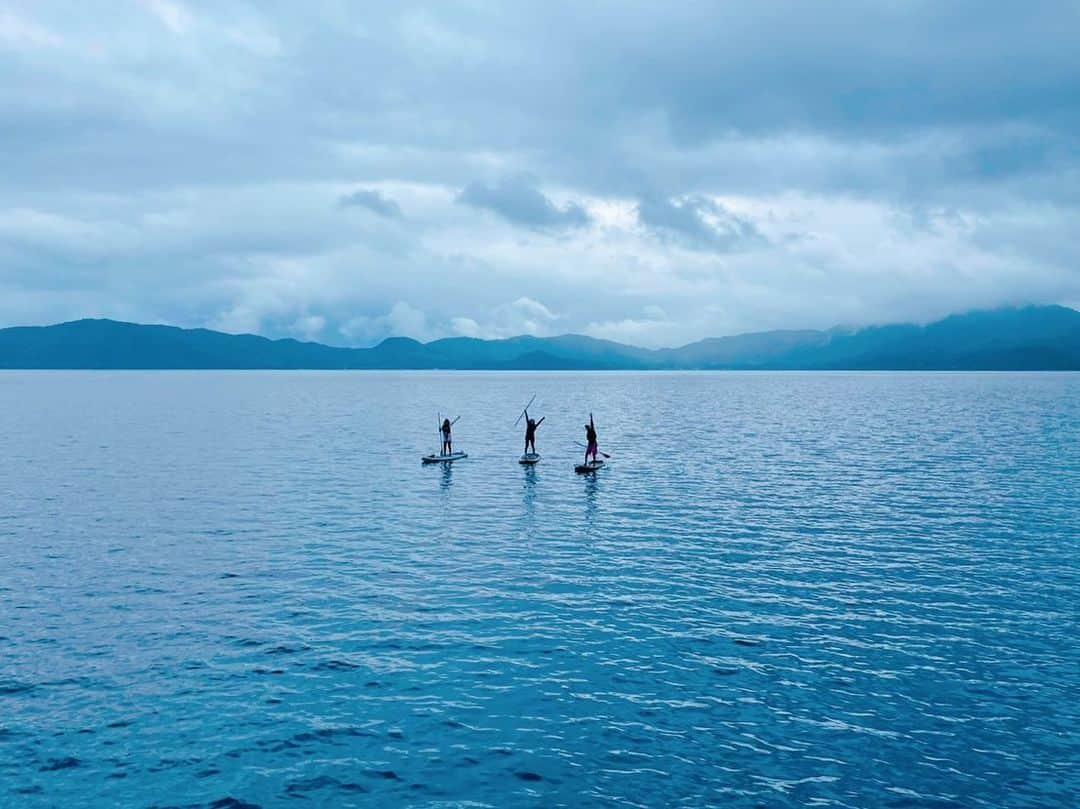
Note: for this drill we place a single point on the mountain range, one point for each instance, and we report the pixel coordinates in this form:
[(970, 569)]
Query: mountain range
[(1027, 338)]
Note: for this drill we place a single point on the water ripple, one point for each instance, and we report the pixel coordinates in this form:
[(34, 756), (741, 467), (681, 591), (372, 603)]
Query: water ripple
[(243, 590)]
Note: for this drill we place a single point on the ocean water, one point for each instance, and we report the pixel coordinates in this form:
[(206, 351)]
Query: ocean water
[(831, 590)]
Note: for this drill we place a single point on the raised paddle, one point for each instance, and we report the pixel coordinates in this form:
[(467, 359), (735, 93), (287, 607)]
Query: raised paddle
[(525, 410), (438, 420)]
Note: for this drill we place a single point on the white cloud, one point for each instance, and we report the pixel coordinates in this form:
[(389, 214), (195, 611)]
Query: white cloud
[(195, 178), (654, 312), (533, 310), (19, 32), (173, 14), (403, 320), (309, 327), (522, 316), (465, 327)]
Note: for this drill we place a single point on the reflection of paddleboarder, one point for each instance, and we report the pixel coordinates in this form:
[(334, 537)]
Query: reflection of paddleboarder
[(447, 444), (530, 432), (591, 447)]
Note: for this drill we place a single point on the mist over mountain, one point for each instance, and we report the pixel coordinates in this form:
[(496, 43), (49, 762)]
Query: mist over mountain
[(1028, 338)]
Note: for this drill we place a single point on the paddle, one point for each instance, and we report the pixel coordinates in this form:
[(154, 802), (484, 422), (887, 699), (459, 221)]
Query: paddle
[(438, 429), (525, 410)]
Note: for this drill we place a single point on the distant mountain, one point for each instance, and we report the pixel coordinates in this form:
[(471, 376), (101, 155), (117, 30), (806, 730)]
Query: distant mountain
[(1029, 338)]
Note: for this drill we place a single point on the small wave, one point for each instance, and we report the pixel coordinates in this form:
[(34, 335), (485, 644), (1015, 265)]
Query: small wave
[(301, 788), (65, 763)]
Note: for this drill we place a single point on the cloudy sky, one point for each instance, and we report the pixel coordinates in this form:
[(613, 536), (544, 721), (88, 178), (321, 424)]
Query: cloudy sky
[(647, 172)]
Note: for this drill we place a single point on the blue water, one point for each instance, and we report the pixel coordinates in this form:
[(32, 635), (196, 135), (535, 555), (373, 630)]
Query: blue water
[(849, 590)]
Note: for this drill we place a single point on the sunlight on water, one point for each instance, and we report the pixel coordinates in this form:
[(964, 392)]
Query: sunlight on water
[(234, 589)]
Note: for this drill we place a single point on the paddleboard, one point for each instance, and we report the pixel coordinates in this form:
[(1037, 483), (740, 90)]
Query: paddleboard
[(529, 458), (584, 468), (453, 456)]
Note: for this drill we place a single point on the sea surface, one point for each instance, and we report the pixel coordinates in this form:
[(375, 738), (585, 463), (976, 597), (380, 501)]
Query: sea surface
[(820, 589)]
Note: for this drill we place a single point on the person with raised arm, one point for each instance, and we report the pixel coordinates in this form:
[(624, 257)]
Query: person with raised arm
[(530, 432), (591, 446)]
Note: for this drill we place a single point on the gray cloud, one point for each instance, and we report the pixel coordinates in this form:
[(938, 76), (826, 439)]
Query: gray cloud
[(373, 201), (519, 201), (697, 221), (172, 160), (611, 97)]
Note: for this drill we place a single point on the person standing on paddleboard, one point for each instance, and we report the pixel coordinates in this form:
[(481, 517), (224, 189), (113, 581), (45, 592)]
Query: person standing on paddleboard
[(447, 444), (530, 432), (591, 447)]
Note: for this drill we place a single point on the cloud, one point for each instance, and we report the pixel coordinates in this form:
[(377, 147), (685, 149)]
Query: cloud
[(310, 327), (465, 327), (513, 319), (523, 316), (372, 200), (697, 221), (402, 320), (519, 201), (174, 15), (518, 317), (175, 164), (19, 32)]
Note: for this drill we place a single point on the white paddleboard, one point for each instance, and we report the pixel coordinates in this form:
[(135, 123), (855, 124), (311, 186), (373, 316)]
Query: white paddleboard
[(529, 458), (453, 456), (592, 466)]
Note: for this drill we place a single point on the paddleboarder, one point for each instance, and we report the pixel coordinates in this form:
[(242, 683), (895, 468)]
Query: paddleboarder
[(591, 447), (530, 431), (447, 444)]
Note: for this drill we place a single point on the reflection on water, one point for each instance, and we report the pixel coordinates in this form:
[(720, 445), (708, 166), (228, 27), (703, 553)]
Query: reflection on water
[(528, 488), (590, 485), (216, 591), (446, 477)]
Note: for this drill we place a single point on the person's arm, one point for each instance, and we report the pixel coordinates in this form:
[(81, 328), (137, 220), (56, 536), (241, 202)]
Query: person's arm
[(541, 421), (591, 422)]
